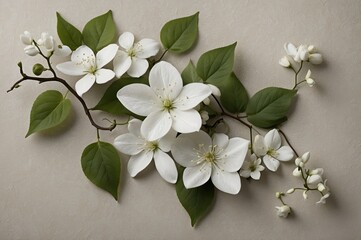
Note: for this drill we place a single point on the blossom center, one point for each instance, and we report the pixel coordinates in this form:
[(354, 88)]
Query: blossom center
[(151, 146), (209, 157), (92, 69), (272, 153), (167, 104), (132, 52)]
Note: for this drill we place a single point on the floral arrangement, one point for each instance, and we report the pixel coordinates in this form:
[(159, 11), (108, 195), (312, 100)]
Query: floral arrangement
[(176, 119)]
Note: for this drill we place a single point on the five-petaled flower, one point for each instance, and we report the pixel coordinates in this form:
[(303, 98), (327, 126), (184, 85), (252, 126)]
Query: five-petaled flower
[(270, 149), (142, 151), (85, 62), (252, 168), (219, 159), (132, 57), (165, 103)]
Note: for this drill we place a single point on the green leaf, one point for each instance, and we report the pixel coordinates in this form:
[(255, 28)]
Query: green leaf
[(196, 201), (110, 103), (68, 34), (216, 65), (189, 74), (99, 32), (180, 34), (101, 165), (268, 107), (49, 110), (234, 96)]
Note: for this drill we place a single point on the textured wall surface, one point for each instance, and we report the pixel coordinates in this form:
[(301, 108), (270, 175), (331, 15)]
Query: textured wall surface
[(45, 195)]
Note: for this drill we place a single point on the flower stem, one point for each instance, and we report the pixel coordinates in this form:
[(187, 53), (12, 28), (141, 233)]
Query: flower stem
[(288, 142), (296, 76)]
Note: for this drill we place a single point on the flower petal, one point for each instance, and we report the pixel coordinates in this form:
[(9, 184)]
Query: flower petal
[(165, 80), (105, 55), (226, 181), (232, 158), (62, 51), (121, 63), (104, 75), (256, 175), (166, 142), (273, 139), (138, 162), (165, 166), (134, 127), (191, 95), (271, 163), (129, 144), (146, 48), (84, 84), (139, 99), (156, 125), (71, 68), (220, 140), (197, 175), (184, 149), (285, 153), (138, 67), (84, 57), (259, 147), (186, 121), (290, 49), (245, 173), (315, 58), (126, 40)]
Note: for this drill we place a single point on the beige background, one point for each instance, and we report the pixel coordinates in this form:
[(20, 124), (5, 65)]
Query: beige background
[(45, 195)]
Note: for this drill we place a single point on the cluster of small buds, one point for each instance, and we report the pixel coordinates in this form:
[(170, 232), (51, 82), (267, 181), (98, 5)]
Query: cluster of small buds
[(313, 181), (46, 44), (302, 53)]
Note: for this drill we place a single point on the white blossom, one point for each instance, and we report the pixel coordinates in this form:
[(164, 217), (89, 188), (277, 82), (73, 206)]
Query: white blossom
[(218, 158), (309, 80), (142, 151), (283, 211), (252, 168), (165, 103), (284, 62)]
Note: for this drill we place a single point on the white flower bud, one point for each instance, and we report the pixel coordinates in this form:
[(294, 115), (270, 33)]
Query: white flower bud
[(291, 190), (311, 49), (304, 194), (298, 161), (284, 62), (305, 157), (315, 58), (207, 101), (26, 38), (314, 179), (321, 187), (31, 50), (310, 82), (215, 91), (302, 164), (283, 211), (278, 194), (296, 172), (204, 116), (317, 171)]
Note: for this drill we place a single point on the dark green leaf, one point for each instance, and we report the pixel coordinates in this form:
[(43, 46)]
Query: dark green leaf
[(234, 96), (101, 165), (68, 34), (189, 74), (180, 34), (216, 65), (99, 32), (268, 107), (110, 103), (196, 201), (49, 110)]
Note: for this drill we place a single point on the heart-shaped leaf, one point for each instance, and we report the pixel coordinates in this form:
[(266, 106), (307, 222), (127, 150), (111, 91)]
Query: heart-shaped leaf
[(216, 65), (110, 103), (196, 201), (49, 110), (180, 34), (189, 74), (68, 34), (101, 165), (268, 107), (99, 32), (234, 96)]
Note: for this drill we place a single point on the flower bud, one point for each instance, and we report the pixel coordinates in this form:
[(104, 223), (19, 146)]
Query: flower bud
[(315, 58), (204, 116), (304, 194), (298, 161), (291, 190), (207, 101), (305, 157), (296, 172), (283, 211), (321, 187), (284, 62), (278, 194), (38, 69), (26, 38), (311, 49), (317, 171), (314, 179), (310, 82), (31, 50)]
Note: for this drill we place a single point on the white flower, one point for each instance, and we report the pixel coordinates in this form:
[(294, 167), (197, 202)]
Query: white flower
[(131, 58), (323, 198), (309, 80), (283, 211), (84, 62), (270, 149), (301, 161), (284, 62), (252, 168), (26, 38), (143, 151), (166, 103), (48, 42), (31, 50), (219, 159), (303, 53), (313, 180)]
